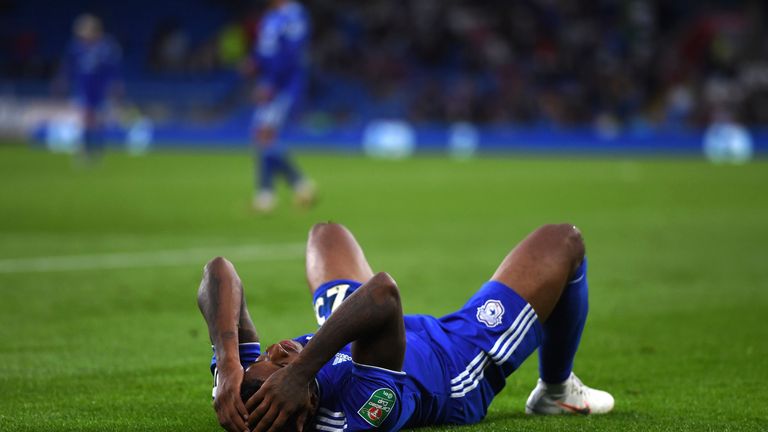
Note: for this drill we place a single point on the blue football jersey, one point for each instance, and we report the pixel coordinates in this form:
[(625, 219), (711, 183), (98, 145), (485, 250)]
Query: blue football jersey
[(280, 50), (92, 67), (360, 397)]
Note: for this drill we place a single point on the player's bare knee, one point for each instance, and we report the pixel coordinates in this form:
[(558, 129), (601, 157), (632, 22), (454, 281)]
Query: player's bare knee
[(318, 228), (566, 239), (578, 241), (326, 229), (574, 243)]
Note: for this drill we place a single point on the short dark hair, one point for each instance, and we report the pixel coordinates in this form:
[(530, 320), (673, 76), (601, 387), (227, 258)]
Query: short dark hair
[(249, 387)]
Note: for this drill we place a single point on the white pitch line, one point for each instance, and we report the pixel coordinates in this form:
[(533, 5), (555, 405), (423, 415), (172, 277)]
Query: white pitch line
[(166, 258)]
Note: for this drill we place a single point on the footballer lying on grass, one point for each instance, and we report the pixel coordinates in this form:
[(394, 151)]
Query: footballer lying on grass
[(368, 366)]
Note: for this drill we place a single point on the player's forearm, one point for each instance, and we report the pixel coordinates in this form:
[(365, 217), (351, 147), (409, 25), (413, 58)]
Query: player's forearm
[(374, 308), (219, 297)]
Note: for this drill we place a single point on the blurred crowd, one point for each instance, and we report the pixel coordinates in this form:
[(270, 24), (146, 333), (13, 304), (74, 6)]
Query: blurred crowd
[(640, 63), (557, 63)]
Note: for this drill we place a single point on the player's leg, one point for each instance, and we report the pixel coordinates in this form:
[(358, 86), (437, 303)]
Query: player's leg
[(266, 123), (549, 271), (336, 266), (282, 107), (282, 163), (273, 158), (287, 169), (264, 136), (303, 188), (92, 139), (333, 253), (539, 267), (275, 116)]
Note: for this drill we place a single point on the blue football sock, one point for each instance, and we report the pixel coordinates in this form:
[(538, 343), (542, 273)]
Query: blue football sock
[(268, 165), (287, 169), (92, 141), (562, 331), (274, 162)]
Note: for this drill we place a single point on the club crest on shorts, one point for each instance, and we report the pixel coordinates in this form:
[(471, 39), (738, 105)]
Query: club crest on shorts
[(490, 313)]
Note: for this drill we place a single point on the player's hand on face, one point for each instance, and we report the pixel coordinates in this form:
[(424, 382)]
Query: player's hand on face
[(284, 400), (230, 409)]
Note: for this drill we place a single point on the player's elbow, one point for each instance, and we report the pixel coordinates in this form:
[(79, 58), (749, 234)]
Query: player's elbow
[(217, 265), (215, 270), (385, 293), (574, 243)]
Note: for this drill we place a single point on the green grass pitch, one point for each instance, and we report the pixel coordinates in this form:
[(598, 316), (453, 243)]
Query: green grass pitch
[(109, 337)]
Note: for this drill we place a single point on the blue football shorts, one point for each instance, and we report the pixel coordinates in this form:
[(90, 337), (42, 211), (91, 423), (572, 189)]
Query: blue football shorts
[(486, 340)]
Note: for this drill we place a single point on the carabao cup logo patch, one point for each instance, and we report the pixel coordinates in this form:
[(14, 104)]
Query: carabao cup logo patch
[(378, 407), (490, 313)]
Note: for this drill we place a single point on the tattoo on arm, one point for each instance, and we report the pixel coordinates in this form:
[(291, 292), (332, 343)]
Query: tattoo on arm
[(213, 289), (220, 299)]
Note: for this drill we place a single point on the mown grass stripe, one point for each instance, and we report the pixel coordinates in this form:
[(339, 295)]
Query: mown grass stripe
[(161, 258)]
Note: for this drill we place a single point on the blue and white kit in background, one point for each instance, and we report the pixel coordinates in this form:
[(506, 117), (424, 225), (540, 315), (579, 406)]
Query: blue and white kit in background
[(92, 68), (281, 56), (453, 366)]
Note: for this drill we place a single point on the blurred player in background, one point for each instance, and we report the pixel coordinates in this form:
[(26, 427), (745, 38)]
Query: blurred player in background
[(280, 59), (91, 70)]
